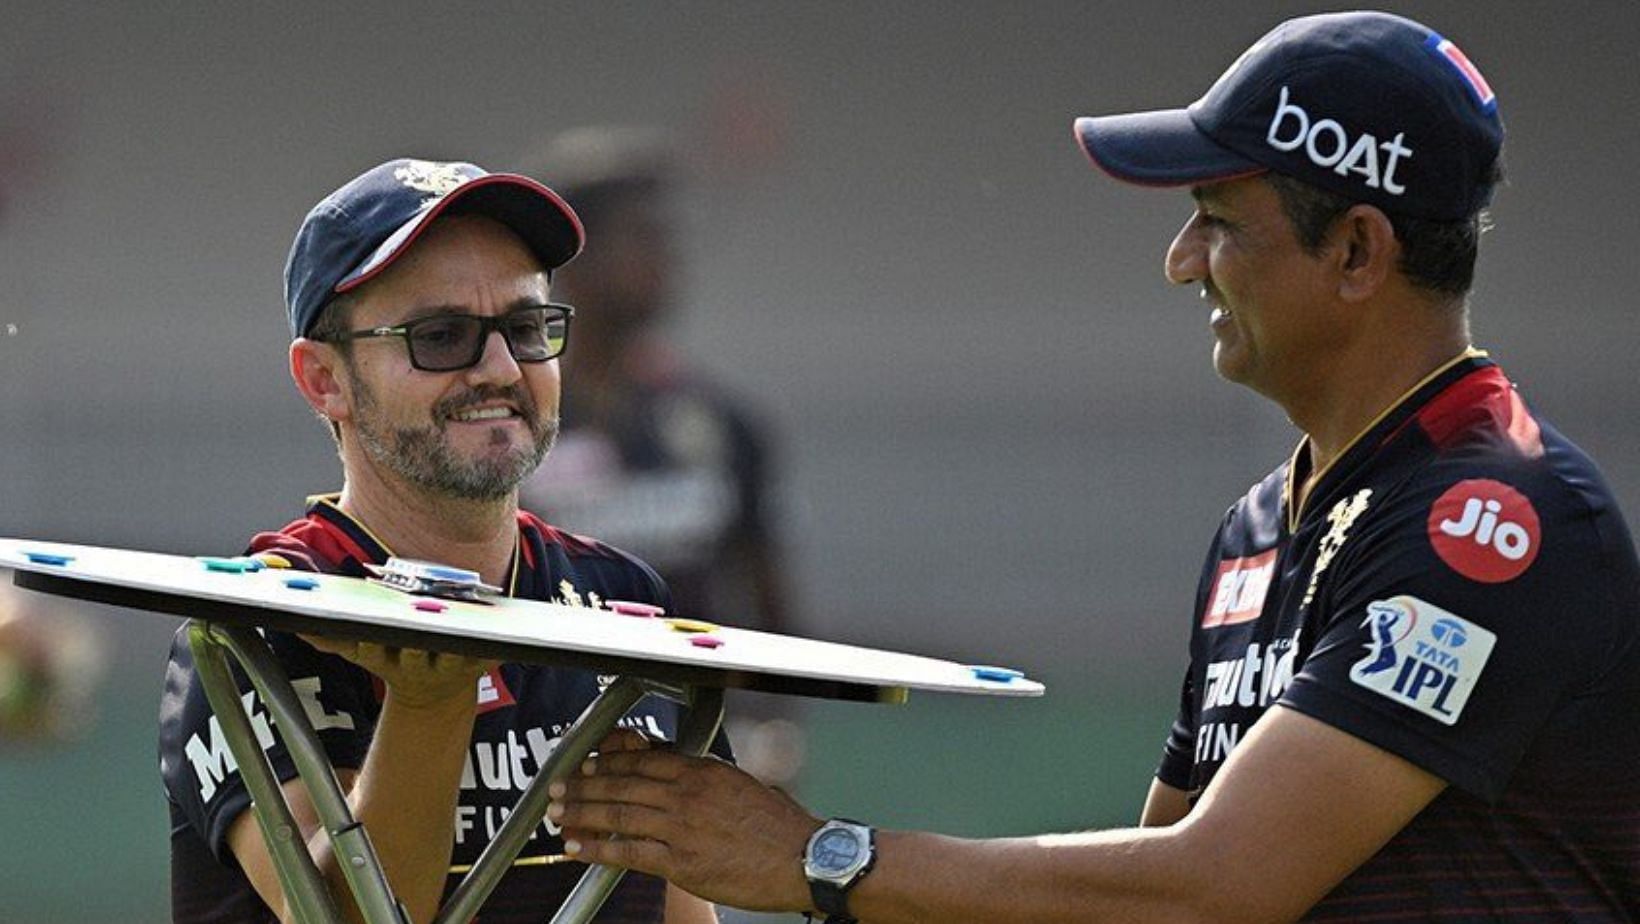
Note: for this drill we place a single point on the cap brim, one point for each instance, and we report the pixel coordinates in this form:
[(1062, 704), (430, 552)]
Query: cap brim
[(535, 213), (1160, 148)]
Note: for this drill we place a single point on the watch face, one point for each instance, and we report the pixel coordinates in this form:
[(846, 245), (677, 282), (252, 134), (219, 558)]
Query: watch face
[(835, 851)]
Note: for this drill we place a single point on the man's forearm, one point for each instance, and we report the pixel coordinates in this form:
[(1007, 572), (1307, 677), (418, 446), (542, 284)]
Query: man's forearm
[(719, 833), (1127, 875), (1268, 839), (406, 798)]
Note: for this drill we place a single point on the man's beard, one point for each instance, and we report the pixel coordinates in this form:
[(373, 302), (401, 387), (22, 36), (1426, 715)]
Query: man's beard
[(422, 456)]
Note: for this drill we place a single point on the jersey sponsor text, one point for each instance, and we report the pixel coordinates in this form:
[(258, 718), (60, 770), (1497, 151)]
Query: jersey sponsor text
[(509, 765), (1258, 678), (213, 761), (1239, 590)]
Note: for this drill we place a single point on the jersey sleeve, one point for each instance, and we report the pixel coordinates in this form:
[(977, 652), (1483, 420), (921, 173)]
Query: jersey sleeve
[(1454, 623), (202, 778), (1177, 766), (1178, 752)]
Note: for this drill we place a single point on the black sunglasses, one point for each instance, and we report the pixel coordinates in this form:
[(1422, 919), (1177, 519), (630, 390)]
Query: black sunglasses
[(448, 342)]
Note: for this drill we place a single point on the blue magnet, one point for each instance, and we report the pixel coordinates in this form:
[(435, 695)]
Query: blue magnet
[(998, 674), (227, 565), (46, 558), (301, 583)]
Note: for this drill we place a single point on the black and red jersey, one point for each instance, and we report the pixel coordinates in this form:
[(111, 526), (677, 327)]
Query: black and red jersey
[(1460, 589), (523, 710)]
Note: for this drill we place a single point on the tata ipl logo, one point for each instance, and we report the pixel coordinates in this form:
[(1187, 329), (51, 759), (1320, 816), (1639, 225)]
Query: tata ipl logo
[(1383, 619), (1422, 656)]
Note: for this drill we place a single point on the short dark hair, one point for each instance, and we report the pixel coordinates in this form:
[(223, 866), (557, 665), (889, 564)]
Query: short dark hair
[(1435, 255), (333, 320)]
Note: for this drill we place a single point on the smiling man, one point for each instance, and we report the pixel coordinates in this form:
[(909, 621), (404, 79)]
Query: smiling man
[(1415, 648), (424, 334)]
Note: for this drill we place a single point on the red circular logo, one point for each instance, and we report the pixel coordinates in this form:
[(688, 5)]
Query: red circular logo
[(1485, 530)]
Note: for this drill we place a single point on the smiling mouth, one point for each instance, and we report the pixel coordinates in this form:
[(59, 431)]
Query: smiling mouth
[(1211, 297), (481, 414)]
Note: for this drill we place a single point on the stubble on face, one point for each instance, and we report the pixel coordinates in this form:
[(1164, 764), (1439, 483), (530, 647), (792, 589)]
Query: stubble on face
[(422, 456)]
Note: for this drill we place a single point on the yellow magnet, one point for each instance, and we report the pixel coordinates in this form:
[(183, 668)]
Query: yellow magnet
[(690, 625)]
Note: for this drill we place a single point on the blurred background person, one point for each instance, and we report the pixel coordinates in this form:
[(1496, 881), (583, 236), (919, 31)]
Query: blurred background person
[(654, 457), (52, 663)]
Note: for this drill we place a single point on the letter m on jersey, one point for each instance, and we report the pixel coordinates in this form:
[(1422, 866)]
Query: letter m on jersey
[(1239, 589)]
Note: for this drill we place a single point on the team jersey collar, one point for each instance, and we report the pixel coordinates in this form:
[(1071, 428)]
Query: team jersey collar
[(367, 546), (1371, 438)]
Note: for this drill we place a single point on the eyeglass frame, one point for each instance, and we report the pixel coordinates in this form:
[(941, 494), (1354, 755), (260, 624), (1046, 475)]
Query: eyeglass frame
[(488, 324)]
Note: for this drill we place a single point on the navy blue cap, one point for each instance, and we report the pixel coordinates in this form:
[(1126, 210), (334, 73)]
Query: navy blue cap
[(1374, 107), (360, 229)]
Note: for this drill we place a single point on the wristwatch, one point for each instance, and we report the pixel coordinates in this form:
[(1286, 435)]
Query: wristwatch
[(837, 857)]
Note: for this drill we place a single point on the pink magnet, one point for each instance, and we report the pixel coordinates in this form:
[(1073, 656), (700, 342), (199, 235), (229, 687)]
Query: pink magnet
[(633, 608), (705, 641), (429, 606)]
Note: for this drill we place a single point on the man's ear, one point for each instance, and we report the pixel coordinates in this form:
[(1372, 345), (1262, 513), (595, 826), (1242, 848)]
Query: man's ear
[(1367, 252), (316, 369)]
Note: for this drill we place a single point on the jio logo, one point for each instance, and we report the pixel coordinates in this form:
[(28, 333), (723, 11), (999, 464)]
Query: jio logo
[(1480, 519), (1485, 530)]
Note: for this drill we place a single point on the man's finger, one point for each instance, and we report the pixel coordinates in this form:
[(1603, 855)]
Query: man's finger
[(634, 789), (624, 819), (623, 739), (644, 856), (367, 653), (652, 763)]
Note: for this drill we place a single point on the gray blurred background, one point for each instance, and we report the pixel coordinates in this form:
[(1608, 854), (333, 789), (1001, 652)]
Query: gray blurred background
[(1000, 437)]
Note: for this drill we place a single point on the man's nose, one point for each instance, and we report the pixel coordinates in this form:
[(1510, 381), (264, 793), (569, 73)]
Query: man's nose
[(1186, 260), (496, 363)]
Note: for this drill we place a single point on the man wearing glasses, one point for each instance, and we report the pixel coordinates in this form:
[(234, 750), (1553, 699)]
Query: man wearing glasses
[(423, 334)]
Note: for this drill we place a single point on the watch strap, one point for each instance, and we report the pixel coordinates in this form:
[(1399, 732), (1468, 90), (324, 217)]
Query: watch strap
[(831, 899)]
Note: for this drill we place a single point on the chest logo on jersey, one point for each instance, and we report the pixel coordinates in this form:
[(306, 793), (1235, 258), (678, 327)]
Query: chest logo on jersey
[(493, 693), (1239, 590), (1485, 530), (1340, 518), (1422, 657), (569, 596)]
